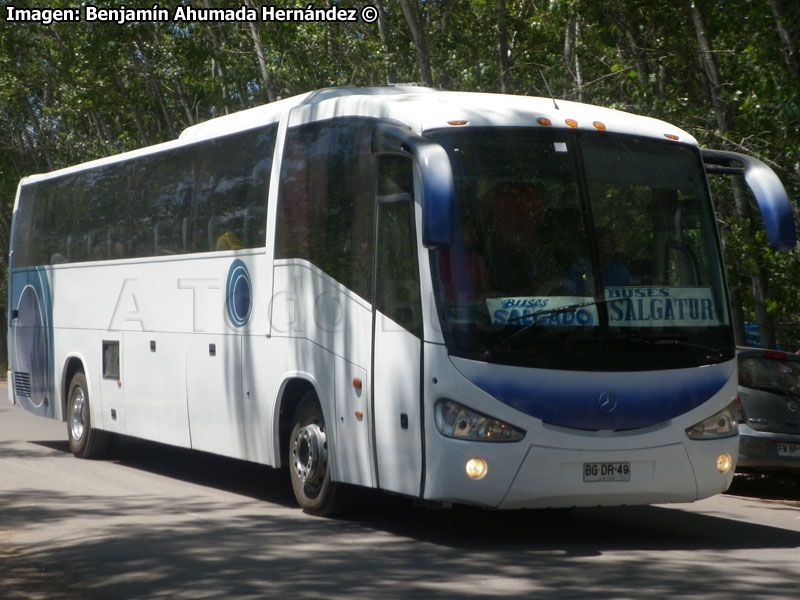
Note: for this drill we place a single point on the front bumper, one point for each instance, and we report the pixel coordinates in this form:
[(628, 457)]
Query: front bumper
[(759, 450), (552, 477)]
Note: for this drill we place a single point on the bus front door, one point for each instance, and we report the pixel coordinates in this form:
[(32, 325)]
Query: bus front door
[(397, 348)]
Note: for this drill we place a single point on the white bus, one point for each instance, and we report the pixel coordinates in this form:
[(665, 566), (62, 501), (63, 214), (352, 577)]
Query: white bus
[(463, 298)]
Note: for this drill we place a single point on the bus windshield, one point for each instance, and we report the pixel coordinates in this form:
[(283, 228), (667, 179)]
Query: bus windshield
[(580, 250)]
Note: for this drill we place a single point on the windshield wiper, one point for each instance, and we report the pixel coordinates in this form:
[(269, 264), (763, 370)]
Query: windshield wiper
[(537, 317), (711, 352)]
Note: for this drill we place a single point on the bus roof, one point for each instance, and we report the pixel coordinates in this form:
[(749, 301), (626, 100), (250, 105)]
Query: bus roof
[(425, 109), (420, 108)]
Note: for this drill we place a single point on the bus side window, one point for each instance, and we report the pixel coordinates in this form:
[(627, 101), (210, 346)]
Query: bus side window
[(326, 202), (255, 223), (232, 177)]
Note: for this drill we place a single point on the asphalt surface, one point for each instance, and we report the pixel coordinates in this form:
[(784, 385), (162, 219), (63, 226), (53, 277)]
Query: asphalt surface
[(159, 522)]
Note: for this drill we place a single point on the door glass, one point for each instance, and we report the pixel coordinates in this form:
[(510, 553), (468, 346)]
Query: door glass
[(397, 275)]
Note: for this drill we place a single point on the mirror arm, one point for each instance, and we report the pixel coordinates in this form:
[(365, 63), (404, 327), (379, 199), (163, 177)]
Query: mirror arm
[(437, 179), (773, 202)]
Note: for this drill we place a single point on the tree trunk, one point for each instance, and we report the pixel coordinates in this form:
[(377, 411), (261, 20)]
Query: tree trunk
[(737, 312), (262, 63), (217, 69), (191, 119), (154, 84), (572, 40), (385, 44), (505, 63), (710, 69), (41, 138), (766, 324), (732, 270), (144, 137), (758, 276), (789, 55), (420, 43)]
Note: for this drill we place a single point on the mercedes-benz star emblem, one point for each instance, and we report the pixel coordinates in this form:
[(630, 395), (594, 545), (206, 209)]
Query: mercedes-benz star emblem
[(607, 401)]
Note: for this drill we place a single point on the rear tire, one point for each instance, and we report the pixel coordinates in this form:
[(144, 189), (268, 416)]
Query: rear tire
[(84, 441), (309, 465)]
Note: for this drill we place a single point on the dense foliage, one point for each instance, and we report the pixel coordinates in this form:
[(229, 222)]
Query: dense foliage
[(725, 70)]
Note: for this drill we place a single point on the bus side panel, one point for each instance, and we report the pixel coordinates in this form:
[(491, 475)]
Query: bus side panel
[(180, 356), (260, 380), (109, 387), (30, 338), (311, 312), (155, 387), (353, 415), (214, 392)]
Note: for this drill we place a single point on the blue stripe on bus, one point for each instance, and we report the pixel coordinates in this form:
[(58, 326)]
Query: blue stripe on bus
[(30, 338), (627, 403)]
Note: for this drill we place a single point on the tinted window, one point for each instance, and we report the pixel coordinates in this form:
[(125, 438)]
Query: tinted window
[(232, 183), (96, 212), (200, 198), (23, 226), (160, 204), (569, 245), (325, 208), (397, 276), (755, 372)]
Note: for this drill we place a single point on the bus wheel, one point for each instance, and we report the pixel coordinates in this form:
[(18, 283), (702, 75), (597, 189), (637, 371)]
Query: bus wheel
[(309, 467), (84, 441)]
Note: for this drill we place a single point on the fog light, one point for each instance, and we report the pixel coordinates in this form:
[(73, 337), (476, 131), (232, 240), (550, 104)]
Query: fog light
[(724, 463), (476, 468)]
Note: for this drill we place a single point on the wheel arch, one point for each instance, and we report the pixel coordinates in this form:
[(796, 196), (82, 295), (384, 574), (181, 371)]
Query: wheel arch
[(291, 391)]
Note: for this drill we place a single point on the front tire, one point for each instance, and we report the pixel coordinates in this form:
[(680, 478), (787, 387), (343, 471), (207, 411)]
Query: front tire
[(84, 441), (309, 465)]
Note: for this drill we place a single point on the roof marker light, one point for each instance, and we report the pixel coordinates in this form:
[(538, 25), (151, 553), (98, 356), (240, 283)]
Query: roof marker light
[(571, 123), (457, 122), (671, 136), (544, 121), (599, 125)]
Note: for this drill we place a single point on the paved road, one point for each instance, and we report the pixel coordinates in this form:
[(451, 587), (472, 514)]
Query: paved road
[(157, 522)]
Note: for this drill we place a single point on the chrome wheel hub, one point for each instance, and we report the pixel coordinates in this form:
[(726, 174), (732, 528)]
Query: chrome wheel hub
[(310, 453), (76, 419)]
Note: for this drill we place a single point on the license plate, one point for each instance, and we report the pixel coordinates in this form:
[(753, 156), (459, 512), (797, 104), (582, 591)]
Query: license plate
[(611, 471), (789, 450)]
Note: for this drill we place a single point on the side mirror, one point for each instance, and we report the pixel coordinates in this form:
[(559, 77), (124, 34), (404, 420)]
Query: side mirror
[(773, 202), (437, 179)]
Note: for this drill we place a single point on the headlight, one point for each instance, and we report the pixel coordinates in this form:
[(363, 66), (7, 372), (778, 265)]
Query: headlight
[(721, 425), (457, 421)]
